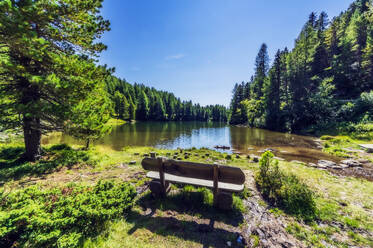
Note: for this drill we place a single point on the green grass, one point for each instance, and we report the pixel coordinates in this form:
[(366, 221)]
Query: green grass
[(343, 200), (115, 122)]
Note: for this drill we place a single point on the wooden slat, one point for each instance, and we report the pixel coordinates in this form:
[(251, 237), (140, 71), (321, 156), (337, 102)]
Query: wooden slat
[(197, 182), (227, 174)]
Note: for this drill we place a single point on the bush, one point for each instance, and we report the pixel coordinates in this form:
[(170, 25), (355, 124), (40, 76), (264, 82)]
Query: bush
[(284, 190), (60, 217)]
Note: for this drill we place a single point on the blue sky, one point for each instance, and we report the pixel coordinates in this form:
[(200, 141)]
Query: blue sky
[(198, 49)]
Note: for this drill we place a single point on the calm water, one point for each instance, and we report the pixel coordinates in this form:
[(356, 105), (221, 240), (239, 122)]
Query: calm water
[(173, 135)]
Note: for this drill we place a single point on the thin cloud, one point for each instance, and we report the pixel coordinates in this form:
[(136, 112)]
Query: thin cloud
[(175, 56)]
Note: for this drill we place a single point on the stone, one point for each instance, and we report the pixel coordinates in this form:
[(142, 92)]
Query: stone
[(237, 156), (136, 154), (325, 163), (312, 165), (248, 156), (146, 155), (351, 163), (363, 161), (298, 162), (343, 166), (367, 147), (132, 162), (280, 159), (336, 167), (250, 148), (270, 150), (255, 159), (153, 154)]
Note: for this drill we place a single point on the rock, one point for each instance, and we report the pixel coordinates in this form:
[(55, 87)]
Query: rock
[(228, 156), (278, 158), (248, 156), (255, 159), (336, 167), (207, 154), (136, 154), (343, 166), (237, 156), (270, 150), (222, 147), (351, 163), (146, 155), (132, 162), (363, 161), (312, 165), (367, 147), (298, 162), (250, 148), (325, 163), (153, 154)]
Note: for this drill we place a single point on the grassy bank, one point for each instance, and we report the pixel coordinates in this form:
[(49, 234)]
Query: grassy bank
[(344, 204)]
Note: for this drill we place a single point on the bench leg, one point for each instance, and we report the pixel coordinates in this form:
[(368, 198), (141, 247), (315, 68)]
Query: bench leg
[(223, 200), (157, 189)]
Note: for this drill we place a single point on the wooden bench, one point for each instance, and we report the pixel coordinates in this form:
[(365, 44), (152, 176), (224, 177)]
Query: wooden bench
[(223, 180)]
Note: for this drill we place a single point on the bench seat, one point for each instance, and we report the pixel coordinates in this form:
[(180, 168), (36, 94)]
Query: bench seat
[(196, 182)]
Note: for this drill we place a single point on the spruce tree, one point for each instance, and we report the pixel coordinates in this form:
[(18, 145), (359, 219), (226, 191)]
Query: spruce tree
[(47, 64)]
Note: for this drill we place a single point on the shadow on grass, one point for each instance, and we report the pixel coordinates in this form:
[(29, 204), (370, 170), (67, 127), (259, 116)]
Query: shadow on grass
[(202, 227), (13, 167)]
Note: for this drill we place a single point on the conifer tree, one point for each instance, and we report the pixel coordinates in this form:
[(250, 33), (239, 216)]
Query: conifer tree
[(47, 64)]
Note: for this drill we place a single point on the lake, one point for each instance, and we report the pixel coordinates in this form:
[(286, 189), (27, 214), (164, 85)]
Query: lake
[(173, 135)]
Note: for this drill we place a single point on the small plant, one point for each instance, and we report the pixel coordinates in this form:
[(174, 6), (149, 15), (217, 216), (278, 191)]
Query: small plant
[(284, 190), (60, 217)]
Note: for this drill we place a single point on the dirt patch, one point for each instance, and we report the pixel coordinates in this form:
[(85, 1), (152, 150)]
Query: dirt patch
[(261, 223)]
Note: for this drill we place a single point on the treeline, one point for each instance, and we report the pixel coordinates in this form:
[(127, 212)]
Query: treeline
[(139, 102), (327, 78)]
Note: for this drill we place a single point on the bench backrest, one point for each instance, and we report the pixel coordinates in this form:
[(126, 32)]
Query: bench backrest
[(226, 174)]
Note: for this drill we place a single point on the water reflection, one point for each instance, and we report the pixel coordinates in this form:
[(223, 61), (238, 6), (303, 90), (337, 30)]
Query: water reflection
[(201, 134)]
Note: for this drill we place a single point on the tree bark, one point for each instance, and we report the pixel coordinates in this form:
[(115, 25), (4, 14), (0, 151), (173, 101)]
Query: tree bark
[(32, 138), (87, 144)]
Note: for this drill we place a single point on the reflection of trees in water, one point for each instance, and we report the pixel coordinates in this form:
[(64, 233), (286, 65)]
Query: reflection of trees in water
[(152, 133), (187, 134), (243, 137)]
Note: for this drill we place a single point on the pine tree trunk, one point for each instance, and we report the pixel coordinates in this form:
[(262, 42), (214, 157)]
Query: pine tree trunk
[(32, 137), (87, 144)]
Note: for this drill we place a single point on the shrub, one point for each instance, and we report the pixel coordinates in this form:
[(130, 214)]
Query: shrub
[(56, 157), (60, 217), (284, 190)]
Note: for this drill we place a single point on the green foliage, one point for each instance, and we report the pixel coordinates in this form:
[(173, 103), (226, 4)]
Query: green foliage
[(61, 217), (12, 166), (146, 103), (47, 67), (89, 117), (325, 79), (284, 190)]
